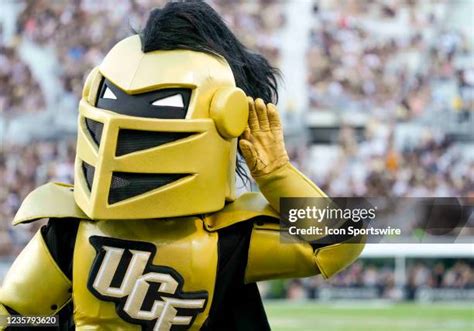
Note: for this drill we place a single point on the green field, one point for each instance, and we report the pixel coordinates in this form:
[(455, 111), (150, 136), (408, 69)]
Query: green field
[(369, 316)]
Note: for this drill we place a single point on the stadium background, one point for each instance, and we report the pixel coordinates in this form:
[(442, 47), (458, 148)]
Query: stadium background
[(377, 100)]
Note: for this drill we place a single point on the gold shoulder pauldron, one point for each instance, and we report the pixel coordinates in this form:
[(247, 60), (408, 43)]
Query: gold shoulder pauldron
[(52, 200)]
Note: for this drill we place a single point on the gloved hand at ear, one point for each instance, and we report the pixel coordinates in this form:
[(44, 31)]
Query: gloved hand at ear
[(262, 142), (264, 151)]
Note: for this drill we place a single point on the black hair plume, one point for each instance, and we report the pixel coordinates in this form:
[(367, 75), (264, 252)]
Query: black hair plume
[(194, 25)]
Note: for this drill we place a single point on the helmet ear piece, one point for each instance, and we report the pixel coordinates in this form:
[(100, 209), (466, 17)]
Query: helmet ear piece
[(230, 111), (91, 86)]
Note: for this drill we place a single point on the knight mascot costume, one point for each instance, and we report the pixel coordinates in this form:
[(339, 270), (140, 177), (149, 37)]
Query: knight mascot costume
[(152, 235)]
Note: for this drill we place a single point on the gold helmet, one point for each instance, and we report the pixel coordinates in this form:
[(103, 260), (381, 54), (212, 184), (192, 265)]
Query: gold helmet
[(157, 134)]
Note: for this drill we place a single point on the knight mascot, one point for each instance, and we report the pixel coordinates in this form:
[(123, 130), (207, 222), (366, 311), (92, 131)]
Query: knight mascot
[(152, 235)]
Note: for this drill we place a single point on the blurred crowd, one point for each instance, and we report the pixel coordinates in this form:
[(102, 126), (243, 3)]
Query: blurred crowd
[(460, 276), (400, 50), (376, 279), (434, 166), (398, 62), (19, 91)]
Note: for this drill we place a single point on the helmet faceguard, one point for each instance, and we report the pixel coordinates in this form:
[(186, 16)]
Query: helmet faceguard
[(157, 134)]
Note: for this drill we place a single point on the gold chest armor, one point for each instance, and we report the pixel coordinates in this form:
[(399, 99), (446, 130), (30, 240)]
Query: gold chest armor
[(182, 267)]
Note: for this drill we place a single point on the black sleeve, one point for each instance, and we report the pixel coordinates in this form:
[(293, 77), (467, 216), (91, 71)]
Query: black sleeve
[(235, 306), (60, 238)]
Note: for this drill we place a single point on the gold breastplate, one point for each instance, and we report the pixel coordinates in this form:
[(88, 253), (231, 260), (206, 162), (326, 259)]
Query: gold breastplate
[(157, 274)]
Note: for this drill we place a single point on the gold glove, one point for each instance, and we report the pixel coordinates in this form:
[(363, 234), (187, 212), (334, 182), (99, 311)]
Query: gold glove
[(264, 151), (262, 142)]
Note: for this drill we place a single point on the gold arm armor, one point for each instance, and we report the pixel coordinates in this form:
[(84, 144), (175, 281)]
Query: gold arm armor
[(269, 258), (35, 285), (287, 182), (3, 314)]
